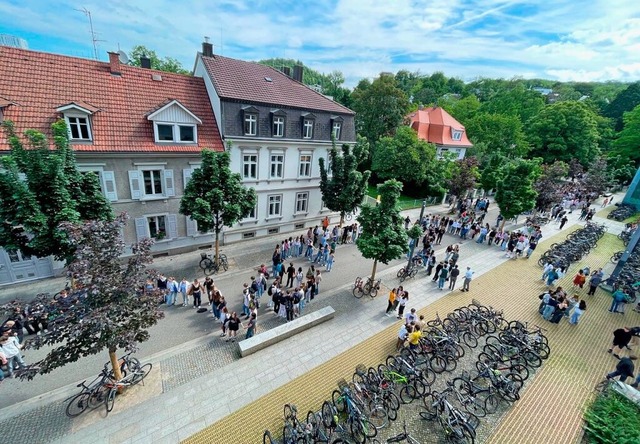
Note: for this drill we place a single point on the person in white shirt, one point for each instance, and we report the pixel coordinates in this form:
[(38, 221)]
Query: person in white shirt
[(10, 348), (410, 317), (468, 275), (402, 336)]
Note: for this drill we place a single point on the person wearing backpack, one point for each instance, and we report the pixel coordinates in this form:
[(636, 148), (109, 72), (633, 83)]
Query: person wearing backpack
[(444, 275), (619, 299)]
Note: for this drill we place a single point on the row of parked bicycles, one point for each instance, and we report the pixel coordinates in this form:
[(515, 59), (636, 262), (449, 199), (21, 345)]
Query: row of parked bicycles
[(103, 389), (577, 245), (371, 401), (623, 211)]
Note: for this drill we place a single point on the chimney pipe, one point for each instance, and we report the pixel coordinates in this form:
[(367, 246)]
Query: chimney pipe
[(145, 62), (297, 73), (114, 63), (207, 48), (287, 71)]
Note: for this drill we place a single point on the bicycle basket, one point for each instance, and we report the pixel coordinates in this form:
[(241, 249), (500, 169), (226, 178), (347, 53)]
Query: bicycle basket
[(203, 255), (343, 384), (361, 369)]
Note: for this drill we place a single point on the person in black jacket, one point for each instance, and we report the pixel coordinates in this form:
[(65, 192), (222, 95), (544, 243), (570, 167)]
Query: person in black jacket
[(624, 369), (455, 272), (436, 275), (621, 339)]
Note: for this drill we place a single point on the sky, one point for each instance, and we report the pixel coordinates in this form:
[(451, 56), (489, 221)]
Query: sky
[(566, 40)]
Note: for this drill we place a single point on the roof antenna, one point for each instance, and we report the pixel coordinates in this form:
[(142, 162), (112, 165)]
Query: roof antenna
[(94, 36)]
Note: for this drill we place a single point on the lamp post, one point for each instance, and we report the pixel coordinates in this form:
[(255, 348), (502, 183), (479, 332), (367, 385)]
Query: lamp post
[(415, 241)]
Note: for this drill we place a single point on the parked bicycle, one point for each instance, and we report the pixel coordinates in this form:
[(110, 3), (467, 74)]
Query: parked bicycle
[(361, 288), (210, 265)]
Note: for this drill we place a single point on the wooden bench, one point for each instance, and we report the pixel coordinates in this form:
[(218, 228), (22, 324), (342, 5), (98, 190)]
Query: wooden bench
[(282, 332)]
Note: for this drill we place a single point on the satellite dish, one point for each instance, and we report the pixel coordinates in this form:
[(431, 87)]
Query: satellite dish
[(122, 56)]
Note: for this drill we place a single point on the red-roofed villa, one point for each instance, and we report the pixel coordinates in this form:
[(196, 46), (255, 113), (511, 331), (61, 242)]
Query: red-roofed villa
[(436, 126)]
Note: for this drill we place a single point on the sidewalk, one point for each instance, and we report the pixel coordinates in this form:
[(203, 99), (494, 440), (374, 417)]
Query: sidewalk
[(214, 385)]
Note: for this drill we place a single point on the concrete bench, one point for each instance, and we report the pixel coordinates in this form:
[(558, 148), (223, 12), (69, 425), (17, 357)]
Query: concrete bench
[(282, 332)]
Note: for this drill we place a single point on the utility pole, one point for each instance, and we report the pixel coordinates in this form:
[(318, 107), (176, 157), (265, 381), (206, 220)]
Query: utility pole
[(94, 38), (415, 241)]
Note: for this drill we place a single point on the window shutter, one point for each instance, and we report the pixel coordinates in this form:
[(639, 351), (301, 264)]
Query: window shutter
[(110, 191), (172, 226), (168, 183), (134, 184), (186, 177), (192, 227), (141, 227)]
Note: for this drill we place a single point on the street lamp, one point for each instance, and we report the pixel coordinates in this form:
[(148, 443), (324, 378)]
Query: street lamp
[(415, 241)]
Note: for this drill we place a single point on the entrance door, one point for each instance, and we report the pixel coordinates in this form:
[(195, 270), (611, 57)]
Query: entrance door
[(16, 267)]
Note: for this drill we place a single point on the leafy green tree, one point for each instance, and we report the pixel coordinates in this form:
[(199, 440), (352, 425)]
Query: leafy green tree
[(343, 191), (105, 310), (167, 64), (463, 110), (407, 81), (383, 236), (431, 88), (575, 169), (40, 188), (598, 177), (549, 184), (403, 156), (625, 101), (215, 196), (498, 133), (380, 107), (516, 101), (627, 145), (515, 190), (464, 176), (620, 170), (492, 169), (563, 131)]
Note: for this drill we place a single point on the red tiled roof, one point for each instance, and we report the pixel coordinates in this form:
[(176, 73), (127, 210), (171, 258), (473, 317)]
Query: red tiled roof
[(434, 125), (245, 81), (38, 83)]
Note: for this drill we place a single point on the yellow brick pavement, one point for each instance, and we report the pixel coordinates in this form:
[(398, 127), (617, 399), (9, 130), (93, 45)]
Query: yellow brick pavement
[(550, 409)]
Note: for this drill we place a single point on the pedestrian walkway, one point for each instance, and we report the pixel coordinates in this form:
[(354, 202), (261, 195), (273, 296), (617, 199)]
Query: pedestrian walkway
[(213, 386)]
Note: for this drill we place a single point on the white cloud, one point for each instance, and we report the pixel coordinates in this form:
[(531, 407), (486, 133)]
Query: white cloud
[(567, 40)]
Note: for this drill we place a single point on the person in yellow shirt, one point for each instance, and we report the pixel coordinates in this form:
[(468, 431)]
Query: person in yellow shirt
[(414, 338), (392, 302)]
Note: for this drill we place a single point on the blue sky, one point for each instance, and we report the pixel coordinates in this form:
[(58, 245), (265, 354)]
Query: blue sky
[(582, 40)]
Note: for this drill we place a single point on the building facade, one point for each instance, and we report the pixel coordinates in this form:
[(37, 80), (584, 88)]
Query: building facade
[(140, 130), (275, 129)]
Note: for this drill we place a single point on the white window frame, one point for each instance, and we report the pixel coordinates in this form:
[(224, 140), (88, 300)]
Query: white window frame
[(305, 167), (456, 135), (166, 176), (276, 201), (250, 119), (276, 163), (77, 115), (278, 125), (307, 128), (106, 179), (249, 163), (302, 203), (151, 170), (166, 225), (336, 130), (175, 133)]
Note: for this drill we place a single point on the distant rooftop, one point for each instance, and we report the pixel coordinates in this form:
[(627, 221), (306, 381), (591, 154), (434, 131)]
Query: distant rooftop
[(13, 41)]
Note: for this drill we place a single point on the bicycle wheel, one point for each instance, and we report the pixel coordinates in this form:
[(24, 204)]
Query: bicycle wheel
[(357, 291), (77, 405), (438, 363), (461, 433), (96, 398), (533, 359), (289, 434), (338, 401), (401, 274), (431, 405), (519, 369), (373, 292), (267, 439), (469, 339), (327, 415), (140, 374), (491, 403), (379, 417), (204, 263), (392, 403), (542, 349), (223, 262), (365, 429), (475, 406), (408, 393), (110, 399), (452, 363)]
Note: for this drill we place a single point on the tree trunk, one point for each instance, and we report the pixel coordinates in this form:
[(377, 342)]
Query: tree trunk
[(113, 357), (341, 219), (504, 220), (217, 229), (373, 272)]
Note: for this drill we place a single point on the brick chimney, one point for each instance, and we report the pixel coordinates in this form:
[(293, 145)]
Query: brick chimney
[(207, 48), (297, 73), (114, 63)]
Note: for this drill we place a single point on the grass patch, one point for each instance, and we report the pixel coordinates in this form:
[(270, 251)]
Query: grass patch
[(405, 202), (631, 219), (612, 419)]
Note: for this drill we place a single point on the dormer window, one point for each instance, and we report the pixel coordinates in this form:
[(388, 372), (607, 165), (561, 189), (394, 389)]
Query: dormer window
[(456, 134), (77, 116), (250, 120), (336, 127), (173, 123), (278, 121), (308, 122)]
